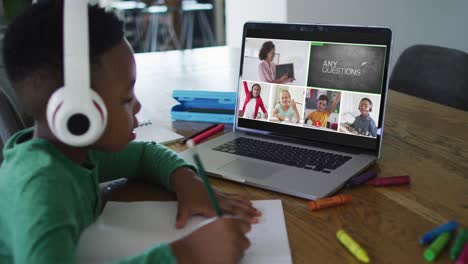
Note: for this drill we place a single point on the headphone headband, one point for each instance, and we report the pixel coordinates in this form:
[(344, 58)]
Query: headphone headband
[(76, 49), (76, 114)]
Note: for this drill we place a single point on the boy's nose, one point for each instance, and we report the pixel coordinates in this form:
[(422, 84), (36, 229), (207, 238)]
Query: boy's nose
[(137, 107)]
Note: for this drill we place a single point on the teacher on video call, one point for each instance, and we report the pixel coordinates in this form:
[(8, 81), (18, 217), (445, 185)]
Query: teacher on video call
[(267, 68)]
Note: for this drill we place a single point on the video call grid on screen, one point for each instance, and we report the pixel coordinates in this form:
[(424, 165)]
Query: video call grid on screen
[(359, 63)]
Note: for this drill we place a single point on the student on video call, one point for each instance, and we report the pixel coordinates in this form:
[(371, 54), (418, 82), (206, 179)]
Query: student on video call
[(286, 110), (323, 113), (267, 68), (253, 101), (364, 124)]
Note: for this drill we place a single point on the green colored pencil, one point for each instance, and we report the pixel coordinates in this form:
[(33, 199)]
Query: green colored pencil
[(201, 173)]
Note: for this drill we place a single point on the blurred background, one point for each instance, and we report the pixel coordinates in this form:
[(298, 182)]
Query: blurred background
[(159, 25)]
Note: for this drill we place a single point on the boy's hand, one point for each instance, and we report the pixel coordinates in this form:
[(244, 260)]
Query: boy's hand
[(222, 241), (194, 200), (338, 97)]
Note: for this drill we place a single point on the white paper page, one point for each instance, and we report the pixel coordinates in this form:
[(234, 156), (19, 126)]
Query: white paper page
[(153, 132), (126, 229)]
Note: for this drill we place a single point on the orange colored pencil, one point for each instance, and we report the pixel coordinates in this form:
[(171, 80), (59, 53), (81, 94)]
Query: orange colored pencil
[(329, 202)]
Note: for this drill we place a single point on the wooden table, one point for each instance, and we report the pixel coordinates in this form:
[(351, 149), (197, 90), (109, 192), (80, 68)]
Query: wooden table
[(425, 140)]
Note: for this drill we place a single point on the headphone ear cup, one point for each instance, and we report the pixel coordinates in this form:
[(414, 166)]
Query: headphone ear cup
[(78, 123), (53, 106), (100, 107)]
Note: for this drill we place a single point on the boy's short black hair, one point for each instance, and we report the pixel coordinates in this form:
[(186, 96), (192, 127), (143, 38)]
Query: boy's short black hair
[(366, 99), (33, 48), (323, 97), (266, 47)]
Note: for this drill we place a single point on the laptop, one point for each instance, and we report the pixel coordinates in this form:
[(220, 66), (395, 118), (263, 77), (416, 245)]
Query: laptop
[(307, 135)]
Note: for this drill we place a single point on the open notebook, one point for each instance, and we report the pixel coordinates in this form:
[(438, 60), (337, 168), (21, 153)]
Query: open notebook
[(147, 131), (126, 229)]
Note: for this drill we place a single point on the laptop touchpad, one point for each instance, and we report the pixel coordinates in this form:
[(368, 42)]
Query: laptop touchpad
[(244, 168)]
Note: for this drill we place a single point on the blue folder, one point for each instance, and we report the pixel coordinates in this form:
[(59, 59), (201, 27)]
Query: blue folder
[(204, 106)]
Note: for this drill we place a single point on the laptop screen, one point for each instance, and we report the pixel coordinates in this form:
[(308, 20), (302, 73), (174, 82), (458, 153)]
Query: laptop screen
[(314, 82)]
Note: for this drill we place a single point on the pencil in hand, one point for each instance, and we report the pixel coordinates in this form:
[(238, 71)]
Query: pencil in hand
[(201, 173)]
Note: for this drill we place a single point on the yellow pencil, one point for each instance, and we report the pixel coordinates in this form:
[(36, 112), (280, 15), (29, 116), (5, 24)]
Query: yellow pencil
[(352, 246)]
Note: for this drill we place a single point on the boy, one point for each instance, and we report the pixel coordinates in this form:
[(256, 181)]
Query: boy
[(364, 124), (49, 191), (322, 114)]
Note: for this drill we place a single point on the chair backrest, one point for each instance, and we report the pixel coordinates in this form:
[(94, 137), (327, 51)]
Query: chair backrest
[(434, 73), (10, 121)]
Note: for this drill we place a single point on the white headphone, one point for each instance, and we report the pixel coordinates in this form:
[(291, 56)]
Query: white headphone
[(76, 114)]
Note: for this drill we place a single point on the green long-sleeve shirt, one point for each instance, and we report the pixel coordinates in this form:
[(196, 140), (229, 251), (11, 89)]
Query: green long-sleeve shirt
[(46, 200)]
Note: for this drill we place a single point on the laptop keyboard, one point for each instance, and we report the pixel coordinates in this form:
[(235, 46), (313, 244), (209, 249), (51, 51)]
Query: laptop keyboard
[(284, 154)]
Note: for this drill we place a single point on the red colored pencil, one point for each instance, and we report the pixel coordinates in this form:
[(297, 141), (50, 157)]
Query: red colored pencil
[(198, 133), (208, 133)]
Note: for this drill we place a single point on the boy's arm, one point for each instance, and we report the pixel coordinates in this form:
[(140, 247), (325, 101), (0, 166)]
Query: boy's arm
[(334, 104), (373, 129), (354, 123), (44, 228), (47, 221), (140, 160)]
